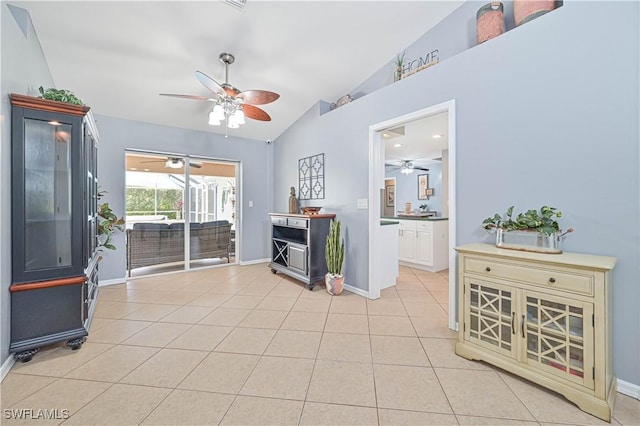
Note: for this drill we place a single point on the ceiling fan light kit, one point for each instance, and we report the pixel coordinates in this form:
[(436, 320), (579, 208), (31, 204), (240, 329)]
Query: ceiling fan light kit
[(407, 168), (230, 104)]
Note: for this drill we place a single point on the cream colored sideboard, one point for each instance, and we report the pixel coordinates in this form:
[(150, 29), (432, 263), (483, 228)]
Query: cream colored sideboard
[(544, 317), (424, 243)]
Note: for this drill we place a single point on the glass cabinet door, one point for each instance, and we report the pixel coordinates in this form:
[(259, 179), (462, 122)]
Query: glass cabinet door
[(47, 202), (47, 194), (490, 318), (558, 335)]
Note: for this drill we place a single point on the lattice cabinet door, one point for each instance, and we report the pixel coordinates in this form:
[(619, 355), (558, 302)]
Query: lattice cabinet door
[(558, 335), (490, 318)]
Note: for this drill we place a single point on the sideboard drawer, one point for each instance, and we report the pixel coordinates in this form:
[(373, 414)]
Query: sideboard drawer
[(298, 223), (280, 221), (581, 284)]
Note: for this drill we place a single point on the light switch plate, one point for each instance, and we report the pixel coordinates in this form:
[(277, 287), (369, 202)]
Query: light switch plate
[(363, 203), (250, 203)]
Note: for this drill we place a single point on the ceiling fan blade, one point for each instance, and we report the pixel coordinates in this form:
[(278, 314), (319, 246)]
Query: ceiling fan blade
[(421, 168), (255, 113), (257, 97), (210, 83), (197, 98), (195, 165), (153, 161)]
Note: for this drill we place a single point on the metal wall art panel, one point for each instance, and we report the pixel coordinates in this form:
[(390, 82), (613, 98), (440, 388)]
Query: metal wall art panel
[(311, 177)]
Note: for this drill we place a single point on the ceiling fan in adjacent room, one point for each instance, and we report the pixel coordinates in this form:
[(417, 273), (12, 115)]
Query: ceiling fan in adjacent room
[(406, 166), (174, 163), (231, 105)]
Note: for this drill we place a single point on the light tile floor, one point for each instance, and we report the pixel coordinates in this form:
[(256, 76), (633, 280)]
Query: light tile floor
[(240, 345)]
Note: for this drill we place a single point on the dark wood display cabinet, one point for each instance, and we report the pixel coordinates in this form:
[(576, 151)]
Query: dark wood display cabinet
[(54, 224), (298, 245)]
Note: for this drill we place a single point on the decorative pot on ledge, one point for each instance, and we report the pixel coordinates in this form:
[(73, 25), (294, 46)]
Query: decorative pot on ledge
[(526, 10), (489, 21)]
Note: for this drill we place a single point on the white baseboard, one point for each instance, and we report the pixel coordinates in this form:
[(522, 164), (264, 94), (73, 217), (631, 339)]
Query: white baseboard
[(356, 290), (254, 262), (629, 389), (6, 366), (104, 283)]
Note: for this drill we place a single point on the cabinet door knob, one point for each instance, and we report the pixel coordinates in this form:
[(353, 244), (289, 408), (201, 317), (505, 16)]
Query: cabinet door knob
[(552, 280), (487, 269)]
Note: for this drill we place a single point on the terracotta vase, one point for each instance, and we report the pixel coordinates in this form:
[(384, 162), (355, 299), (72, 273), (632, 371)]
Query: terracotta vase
[(334, 283), (526, 10), (490, 21)]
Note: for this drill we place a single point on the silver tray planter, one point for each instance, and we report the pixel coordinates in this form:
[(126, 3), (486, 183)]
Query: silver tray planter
[(528, 241)]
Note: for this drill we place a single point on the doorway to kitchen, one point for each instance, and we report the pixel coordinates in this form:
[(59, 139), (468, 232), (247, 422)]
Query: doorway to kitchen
[(180, 212), (377, 161)]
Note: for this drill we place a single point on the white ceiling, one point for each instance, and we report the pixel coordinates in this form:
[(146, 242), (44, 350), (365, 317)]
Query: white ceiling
[(418, 144), (118, 56)]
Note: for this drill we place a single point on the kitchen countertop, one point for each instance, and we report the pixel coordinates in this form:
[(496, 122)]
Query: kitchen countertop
[(431, 218), (384, 222)]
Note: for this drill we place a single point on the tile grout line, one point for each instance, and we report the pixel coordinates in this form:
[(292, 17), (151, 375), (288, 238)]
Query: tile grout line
[(315, 359)]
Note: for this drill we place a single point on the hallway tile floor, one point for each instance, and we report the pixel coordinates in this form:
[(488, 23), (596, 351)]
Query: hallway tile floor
[(240, 345)]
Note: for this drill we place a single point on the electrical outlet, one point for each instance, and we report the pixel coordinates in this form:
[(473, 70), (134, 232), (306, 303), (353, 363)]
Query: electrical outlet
[(363, 203), (250, 203)]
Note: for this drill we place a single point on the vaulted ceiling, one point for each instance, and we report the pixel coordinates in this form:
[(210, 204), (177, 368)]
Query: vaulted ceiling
[(118, 56)]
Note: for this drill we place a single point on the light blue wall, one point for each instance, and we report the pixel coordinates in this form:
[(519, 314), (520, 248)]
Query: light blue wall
[(538, 110), (454, 34), (117, 135), (407, 188), (23, 69)]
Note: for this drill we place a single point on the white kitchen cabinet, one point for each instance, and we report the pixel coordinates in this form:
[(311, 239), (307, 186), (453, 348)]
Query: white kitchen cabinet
[(424, 244), (544, 317), (406, 241)]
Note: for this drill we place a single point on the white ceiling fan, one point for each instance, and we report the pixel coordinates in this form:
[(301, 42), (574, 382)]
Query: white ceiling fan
[(406, 166), (174, 163)]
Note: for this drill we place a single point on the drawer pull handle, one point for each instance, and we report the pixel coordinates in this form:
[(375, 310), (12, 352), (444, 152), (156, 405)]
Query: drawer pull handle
[(513, 321), (552, 280), (487, 269)]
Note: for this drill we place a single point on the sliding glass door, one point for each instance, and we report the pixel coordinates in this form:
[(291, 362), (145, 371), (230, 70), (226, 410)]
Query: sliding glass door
[(212, 214), (180, 213)]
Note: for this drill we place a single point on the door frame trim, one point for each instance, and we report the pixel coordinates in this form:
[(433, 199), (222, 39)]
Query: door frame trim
[(376, 182)]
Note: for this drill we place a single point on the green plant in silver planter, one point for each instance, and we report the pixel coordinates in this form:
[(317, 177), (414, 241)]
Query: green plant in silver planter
[(60, 95), (334, 255), (533, 230), (542, 221)]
